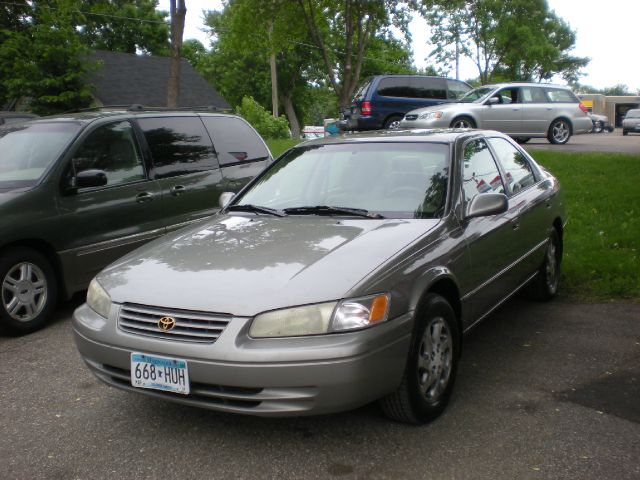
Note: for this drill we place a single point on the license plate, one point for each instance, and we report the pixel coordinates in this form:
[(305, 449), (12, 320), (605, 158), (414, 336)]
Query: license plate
[(159, 373)]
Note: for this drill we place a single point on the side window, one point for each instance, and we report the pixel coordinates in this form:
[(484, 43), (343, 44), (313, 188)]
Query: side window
[(234, 140), (456, 89), (434, 88), (179, 145), (395, 87), (516, 166), (532, 95), (560, 95), (480, 173), (112, 149), (508, 95)]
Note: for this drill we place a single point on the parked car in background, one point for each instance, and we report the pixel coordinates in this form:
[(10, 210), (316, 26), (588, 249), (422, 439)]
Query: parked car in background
[(78, 191), (14, 117), (521, 110), (382, 100), (601, 123), (310, 132), (345, 273), (631, 122)]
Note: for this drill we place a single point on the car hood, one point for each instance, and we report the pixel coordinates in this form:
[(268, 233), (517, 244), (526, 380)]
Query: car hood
[(246, 265)]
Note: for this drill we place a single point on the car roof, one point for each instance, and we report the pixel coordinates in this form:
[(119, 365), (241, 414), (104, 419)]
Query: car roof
[(525, 84), (444, 135)]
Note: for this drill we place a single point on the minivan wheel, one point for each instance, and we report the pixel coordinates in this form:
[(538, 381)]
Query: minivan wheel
[(431, 365), (544, 285), (463, 122), (392, 123), (559, 132), (28, 290)]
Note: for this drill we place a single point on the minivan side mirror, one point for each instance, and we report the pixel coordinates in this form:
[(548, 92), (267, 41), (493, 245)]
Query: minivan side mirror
[(225, 198), (486, 204), (91, 178)]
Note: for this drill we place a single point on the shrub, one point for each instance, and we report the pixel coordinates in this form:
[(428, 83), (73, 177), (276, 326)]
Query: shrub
[(266, 125)]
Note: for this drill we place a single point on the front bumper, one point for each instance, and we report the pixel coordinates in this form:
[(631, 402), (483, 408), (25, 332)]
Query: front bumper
[(266, 377)]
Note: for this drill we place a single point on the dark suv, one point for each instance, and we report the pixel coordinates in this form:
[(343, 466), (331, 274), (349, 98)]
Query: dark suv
[(79, 191), (382, 101)]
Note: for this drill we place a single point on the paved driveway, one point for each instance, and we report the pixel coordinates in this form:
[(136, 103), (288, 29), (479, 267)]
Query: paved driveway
[(545, 391), (613, 142)]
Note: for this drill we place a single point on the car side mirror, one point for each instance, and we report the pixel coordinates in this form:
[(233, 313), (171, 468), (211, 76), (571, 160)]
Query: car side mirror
[(493, 101), (486, 204), (90, 178), (225, 198)]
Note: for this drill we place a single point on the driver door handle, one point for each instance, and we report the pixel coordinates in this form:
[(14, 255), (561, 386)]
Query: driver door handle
[(144, 197), (177, 190)]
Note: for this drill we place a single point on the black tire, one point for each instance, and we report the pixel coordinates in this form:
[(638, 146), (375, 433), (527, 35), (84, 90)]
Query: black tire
[(597, 128), (559, 132), (609, 129), (392, 122), (416, 401), (522, 140), (544, 285), (462, 122), (625, 133), (28, 290)]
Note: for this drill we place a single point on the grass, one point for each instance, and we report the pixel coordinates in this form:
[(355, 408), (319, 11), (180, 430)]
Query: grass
[(602, 238)]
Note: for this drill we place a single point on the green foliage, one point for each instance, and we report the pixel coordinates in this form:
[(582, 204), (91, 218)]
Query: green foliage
[(279, 146), (602, 238), (266, 125), (506, 39)]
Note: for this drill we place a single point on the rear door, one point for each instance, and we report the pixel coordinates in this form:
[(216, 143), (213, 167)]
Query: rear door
[(242, 153), (185, 166), (100, 224), (537, 111)]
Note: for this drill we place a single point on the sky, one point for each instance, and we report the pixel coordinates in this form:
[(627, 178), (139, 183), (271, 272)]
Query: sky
[(606, 32)]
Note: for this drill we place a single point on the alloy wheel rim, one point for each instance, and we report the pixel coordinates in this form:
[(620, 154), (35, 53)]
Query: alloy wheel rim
[(394, 125), (24, 291), (560, 131), (462, 124), (435, 356), (551, 268)]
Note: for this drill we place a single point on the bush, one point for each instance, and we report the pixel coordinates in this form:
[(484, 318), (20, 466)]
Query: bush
[(263, 121)]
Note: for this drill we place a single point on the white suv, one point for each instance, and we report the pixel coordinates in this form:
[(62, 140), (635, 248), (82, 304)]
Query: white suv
[(521, 110)]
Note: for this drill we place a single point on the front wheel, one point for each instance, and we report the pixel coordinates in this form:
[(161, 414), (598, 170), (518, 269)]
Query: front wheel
[(522, 140), (462, 122), (28, 290), (559, 132), (431, 366)]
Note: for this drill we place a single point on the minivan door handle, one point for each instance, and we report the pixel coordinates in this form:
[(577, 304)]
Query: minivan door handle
[(177, 190), (144, 197)]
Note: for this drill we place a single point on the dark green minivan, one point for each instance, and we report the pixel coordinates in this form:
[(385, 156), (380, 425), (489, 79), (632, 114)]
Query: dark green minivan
[(78, 191)]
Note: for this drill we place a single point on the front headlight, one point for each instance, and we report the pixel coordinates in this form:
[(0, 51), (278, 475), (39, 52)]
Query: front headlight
[(430, 115), (322, 318), (98, 299)]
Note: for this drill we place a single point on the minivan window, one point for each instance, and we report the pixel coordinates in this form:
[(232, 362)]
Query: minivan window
[(456, 89), (29, 149), (234, 140), (476, 95), (413, 87), (178, 145), (111, 148), (362, 91)]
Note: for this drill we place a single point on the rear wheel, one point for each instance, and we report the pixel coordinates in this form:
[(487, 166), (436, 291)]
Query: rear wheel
[(431, 366), (28, 290), (597, 127), (559, 132), (522, 139), (545, 284), (392, 123), (463, 122)]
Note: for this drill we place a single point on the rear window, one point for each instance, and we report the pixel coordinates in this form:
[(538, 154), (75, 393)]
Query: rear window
[(560, 95), (27, 151), (179, 145), (234, 140), (361, 92)]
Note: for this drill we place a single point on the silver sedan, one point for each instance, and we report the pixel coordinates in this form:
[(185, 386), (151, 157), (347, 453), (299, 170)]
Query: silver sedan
[(347, 272), (521, 110)]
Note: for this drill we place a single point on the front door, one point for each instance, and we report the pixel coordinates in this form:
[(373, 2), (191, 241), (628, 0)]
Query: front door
[(504, 116)]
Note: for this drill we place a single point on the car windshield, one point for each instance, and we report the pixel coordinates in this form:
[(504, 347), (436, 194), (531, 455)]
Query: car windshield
[(476, 95), (633, 114), (391, 180), (28, 149)]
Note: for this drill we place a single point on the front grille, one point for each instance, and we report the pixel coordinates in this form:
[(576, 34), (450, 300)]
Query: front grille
[(411, 117), (201, 327)]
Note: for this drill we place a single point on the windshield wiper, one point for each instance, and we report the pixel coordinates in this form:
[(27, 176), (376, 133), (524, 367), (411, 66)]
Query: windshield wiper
[(256, 209), (330, 210)]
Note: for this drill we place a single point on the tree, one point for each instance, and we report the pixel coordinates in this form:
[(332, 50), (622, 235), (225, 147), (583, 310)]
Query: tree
[(506, 39), (129, 26), (45, 61), (342, 30), (178, 11)]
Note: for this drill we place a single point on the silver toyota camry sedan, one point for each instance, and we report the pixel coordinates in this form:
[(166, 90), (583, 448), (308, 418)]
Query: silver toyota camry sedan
[(346, 272)]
